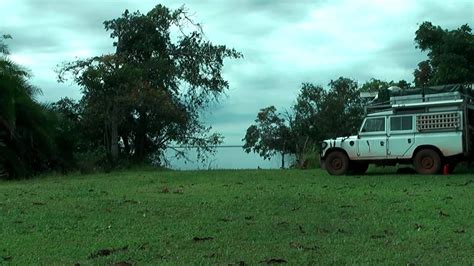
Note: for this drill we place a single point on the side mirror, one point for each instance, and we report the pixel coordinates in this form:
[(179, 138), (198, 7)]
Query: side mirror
[(358, 136)]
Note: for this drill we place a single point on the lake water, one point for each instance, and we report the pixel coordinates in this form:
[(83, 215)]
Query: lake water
[(227, 158)]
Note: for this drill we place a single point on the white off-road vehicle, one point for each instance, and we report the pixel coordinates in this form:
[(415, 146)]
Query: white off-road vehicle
[(431, 129)]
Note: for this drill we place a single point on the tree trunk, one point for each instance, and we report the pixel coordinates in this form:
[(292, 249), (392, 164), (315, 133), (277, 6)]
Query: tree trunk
[(140, 138), (114, 134), (126, 145), (106, 137), (302, 162), (283, 155), (140, 146), (282, 160)]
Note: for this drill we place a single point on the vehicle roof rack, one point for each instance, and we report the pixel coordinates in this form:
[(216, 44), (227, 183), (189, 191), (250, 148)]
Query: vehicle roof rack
[(453, 94)]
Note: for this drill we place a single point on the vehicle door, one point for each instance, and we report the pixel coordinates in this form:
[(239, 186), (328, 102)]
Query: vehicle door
[(401, 135), (372, 138)]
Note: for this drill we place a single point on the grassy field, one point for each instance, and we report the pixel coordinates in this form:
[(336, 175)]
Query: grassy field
[(235, 217)]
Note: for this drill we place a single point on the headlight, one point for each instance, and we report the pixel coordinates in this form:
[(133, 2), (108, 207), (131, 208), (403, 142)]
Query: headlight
[(324, 145)]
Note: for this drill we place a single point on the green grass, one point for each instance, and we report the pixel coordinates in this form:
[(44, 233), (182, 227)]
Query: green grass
[(302, 217)]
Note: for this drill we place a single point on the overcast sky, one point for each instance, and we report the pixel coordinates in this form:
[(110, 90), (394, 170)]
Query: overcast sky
[(284, 43)]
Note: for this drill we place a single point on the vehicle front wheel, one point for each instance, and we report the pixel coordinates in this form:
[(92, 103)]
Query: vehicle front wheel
[(427, 162), (337, 163)]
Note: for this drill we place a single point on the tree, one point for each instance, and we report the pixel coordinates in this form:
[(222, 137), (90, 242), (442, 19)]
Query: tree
[(27, 129), (342, 107), (269, 135), (375, 85), (150, 92), (403, 84), (3, 46), (306, 121), (71, 135), (318, 114), (103, 80), (317, 111), (450, 53), (423, 74), (382, 88)]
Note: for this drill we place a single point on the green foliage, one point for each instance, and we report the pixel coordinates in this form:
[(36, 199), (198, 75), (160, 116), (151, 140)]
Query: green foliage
[(150, 93), (91, 161), (269, 135), (375, 85), (303, 217), (33, 137), (450, 53), (307, 157), (26, 128), (423, 74), (307, 123), (3, 46), (317, 110), (71, 134), (309, 105), (380, 86), (311, 120), (342, 107)]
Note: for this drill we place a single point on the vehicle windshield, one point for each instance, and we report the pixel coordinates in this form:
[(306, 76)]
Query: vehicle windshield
[(376, 124)]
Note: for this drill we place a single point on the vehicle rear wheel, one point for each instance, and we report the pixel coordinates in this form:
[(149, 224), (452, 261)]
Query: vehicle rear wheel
[(427, 162), (358, 168), (337, 163)]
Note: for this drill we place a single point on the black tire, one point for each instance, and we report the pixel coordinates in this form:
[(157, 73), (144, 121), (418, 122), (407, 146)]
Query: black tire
[(337, 163), (358, 168), (427, 162)]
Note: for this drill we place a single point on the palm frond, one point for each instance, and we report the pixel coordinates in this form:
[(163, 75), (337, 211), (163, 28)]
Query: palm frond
[(26, 128)]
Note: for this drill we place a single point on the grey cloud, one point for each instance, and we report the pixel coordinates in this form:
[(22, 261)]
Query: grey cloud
[(40, 41), (448, 14), (87, 13), (52, 91), (229, 117), (404, 54), (252, 19), (277, 11)]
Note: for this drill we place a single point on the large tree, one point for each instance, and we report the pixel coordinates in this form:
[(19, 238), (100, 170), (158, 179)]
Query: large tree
[(318, 110), (149, 94), (317, 114), (450, 55), (270, 135), (27, 131), (343, 107), (306, 122)]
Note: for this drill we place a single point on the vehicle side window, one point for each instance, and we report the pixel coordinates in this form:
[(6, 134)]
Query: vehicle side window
[(400, 123), (374, 125)]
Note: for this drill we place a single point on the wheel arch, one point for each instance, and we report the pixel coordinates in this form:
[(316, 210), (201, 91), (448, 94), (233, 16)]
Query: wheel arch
[(430, 147), (333, 149)]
